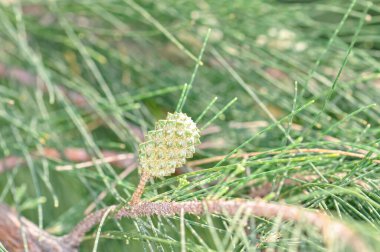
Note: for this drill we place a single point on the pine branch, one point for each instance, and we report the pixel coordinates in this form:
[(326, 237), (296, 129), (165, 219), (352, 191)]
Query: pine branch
[(19, 234), (332, 230)]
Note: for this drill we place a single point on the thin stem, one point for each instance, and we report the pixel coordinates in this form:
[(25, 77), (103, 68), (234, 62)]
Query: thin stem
[(99, 229), (140, 189), (199, 63), (219, 113), (206, 109), (104, 193)]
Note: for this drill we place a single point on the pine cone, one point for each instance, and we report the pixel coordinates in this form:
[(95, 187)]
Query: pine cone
[(168, 145)]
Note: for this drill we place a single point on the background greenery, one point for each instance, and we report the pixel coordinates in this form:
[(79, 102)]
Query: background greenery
[(314, 65)]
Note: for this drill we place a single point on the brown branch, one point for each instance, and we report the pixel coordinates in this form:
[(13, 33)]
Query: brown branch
[(10, 162), (118, 159), (16, 233), (70, 154), (331, 229), (106, 159), (28, 79)]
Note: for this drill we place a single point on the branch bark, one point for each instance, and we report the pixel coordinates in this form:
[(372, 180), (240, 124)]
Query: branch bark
[(18, 234), (331, 229)]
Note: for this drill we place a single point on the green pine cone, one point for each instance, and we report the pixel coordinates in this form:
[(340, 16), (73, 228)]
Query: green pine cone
[(168, 145)]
